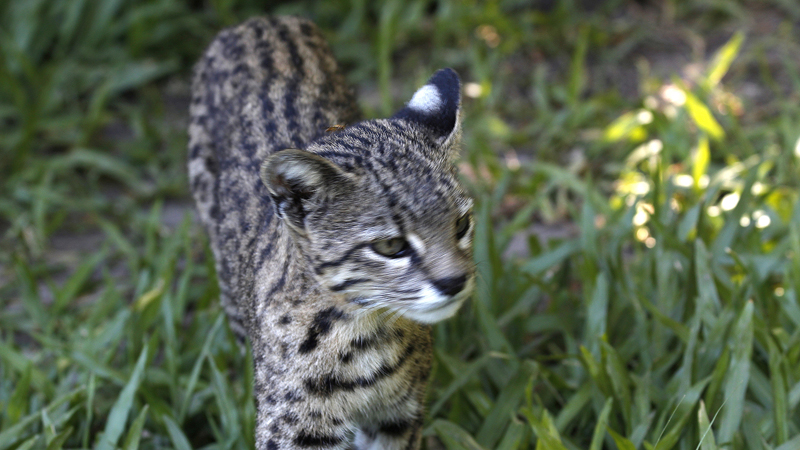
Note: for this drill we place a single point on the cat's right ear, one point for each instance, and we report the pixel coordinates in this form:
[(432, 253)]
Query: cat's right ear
[(295, 178), (436, 106)]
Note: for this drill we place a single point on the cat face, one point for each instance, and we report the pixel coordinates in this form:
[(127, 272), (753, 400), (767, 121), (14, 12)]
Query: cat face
[(378, 211)]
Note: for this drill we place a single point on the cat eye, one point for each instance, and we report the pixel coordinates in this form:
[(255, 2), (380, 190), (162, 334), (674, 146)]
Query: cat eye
[(462, 226), (391, 248)]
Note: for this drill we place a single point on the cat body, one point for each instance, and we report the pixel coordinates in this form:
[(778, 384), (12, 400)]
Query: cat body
[(334, 250)]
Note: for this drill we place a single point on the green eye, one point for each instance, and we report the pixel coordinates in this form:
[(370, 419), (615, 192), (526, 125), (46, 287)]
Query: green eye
[(462, 226), (391, 248)]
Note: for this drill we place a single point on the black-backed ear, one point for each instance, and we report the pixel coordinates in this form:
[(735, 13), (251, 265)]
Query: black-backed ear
[(436, 106), (293, 177)]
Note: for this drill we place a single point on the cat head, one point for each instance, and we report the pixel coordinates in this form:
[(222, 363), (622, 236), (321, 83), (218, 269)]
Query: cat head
[(377, 208)]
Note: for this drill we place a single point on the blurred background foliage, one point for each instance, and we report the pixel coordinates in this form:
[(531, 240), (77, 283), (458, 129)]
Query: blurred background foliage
[(636, 170)]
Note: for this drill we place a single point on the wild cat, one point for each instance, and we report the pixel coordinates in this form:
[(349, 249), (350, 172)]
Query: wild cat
[(334, 250)]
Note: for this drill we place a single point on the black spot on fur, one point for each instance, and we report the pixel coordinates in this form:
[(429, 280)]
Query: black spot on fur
[(316, 440), (321, 326), (272, 445), (285, 353), (293, 397), (214, 213), (279, 285), (286, 319), (395, 429), (361, 343), (307, 30), (289, 417)]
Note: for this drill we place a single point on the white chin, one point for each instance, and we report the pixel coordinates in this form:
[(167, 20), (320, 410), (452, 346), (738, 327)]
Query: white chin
[(433, 315)]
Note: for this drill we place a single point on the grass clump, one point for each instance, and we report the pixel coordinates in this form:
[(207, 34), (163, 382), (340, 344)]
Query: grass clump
[(636, 243)]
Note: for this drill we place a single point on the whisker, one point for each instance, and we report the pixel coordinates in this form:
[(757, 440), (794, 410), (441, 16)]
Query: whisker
[(398, 315), (386, 314)]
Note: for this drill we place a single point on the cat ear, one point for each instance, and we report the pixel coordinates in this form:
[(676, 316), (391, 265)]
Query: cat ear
[(436, 106), (293, 177)]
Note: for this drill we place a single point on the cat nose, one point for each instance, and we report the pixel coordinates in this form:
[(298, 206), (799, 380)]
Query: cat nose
[(450, 286)]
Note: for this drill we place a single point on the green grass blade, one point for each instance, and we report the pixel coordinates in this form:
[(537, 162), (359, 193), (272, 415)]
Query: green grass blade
[(708, 296), (90, 392), (620, 380), (680, 416), (135, 431), (680, 330), (622, 442), (504, 407), (687, 228), (198, 364), (574, 406), (514, 439), (225, 400), (48, 426), (177, 437), (546, 433), (723, 58), (76, 281), (29, 294), (792, 444), (596, 372), (702, 116), (454, 437), (58, 441), (27, 445), (118, 416), (543, 262), (13, 433), (18, 403), (61, 418), (577, 77), (597, 315), (700, 159), (626, 125), (600, 427), (462, 377), (706, 438), (779, 394), (738, 375)]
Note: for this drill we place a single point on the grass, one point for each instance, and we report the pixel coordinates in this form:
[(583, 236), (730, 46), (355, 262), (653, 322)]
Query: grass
[(659, 310)]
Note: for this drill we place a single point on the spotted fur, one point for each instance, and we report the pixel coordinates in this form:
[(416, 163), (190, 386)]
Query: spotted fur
[(336, 242)]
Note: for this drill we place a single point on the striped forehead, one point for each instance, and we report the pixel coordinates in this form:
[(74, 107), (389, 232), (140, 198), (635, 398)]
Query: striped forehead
[(375, 138), (398, 165), (420, 193)]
